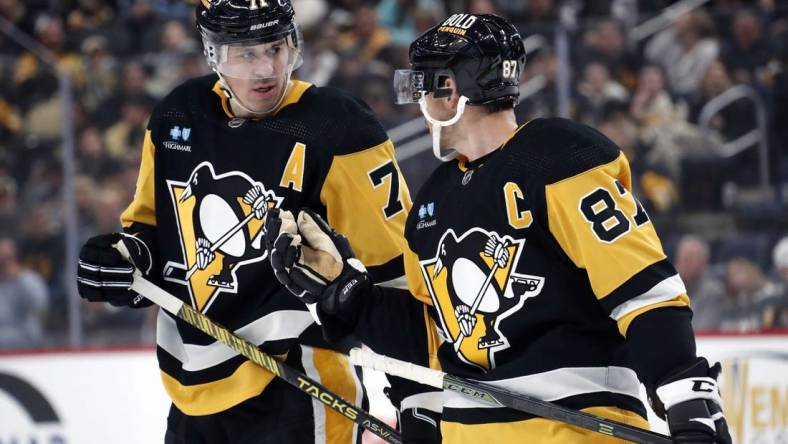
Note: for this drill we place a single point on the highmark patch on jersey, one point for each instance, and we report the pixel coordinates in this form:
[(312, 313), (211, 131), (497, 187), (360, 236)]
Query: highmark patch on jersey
[(220, 223), (474, 288)]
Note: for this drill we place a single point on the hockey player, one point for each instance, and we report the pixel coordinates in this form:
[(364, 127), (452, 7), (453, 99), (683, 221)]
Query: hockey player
[(538, 263), (221, 151)]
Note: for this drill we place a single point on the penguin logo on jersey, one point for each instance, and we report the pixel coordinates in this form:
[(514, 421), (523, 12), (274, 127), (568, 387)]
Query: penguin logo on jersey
[(474, 287), (220, 221)]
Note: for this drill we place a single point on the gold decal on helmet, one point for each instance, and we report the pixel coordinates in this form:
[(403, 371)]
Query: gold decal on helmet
[(257, 4), (452, 29)]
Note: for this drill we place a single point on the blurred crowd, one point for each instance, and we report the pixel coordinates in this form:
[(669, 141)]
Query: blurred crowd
[(697, 175)]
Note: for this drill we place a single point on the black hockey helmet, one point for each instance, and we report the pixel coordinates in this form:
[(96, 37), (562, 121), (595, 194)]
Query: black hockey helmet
[(483, 53), (245, 21), (225, 23)]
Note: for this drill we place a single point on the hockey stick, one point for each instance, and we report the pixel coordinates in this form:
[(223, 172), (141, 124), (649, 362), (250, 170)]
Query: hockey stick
[(292, 376), (170, 270), (498, 397)]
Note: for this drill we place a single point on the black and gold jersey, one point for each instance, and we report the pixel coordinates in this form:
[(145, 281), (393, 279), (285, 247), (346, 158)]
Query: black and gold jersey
[(535, 260), (204, 179)]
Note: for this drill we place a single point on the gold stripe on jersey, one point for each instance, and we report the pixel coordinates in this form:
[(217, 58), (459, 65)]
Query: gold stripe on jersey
[(681, 300), (416, 284), (539, 430), (434, 340), (337, 375), (217, 88), (608, 262), (297, 89), (248, 380), (142, 208), (348, 189), (293, 95)]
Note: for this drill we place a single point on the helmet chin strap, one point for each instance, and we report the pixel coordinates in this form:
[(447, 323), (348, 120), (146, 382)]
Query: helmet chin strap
[(436, 126)]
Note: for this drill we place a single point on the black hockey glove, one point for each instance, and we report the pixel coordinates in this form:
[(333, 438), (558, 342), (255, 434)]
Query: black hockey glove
[(691, 400), (419, 426), (104, 276), (316, 264)]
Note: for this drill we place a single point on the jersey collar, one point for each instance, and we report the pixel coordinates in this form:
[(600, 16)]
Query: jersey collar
[(294, 93), (464, 165)]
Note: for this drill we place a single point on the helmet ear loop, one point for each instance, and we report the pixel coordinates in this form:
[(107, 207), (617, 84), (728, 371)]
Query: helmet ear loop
[(438, 124)]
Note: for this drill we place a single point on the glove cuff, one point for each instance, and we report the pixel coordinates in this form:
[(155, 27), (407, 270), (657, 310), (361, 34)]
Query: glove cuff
[(688, 389), (695, 381)]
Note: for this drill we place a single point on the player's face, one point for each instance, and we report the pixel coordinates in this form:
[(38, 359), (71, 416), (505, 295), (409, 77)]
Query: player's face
[(443, 109), (258, 74)]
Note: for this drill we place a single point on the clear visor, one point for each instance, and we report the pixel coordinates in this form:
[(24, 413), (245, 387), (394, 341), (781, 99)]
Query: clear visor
[(411, 85), (408, 86), (256, 61)]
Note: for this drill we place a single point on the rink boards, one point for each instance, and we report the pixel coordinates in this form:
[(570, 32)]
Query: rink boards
[(115, 396)]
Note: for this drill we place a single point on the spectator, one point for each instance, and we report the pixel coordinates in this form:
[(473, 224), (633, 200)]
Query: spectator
[(544, 102), (706, 291), (23, 301), (101, 71), (35, 83), (133, 84), (748, 297), (321, 60), (88, 18), (10, 120), (481, 7), (655, 188), (652, 106), (685, 50), (15, 12), (92, 157), (731, 122), (366, 41), (662, 124), (747, 53), (515, 10), (9, 219), (540, 17), (140, 19), (595, 91), (41, 249), (85, 196), (134, 118), (606, 42), (397, 16), (107, 206), (376, 92), (175, 46), (777, 313)]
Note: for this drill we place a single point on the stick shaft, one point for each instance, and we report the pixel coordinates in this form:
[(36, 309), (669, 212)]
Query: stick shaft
[(503, 398), (254, 354)]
